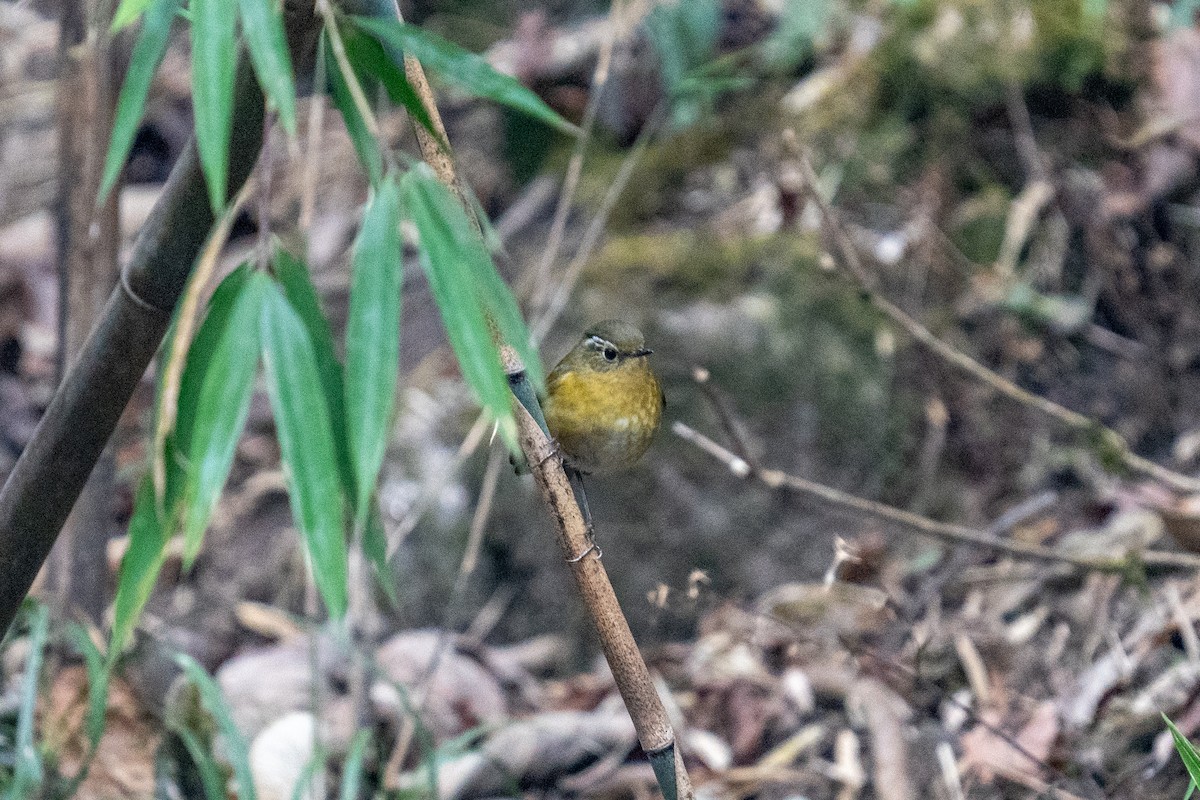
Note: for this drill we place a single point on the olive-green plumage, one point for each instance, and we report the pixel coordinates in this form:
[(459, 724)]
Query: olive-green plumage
[(603, 403)]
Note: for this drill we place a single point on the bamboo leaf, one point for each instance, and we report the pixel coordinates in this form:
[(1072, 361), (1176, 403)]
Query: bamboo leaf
[(1187, 752), (368, 57), (262, 26), (352, 772), (147, 54), (214, 58), (298, 288), (201, 350), (210, 773), (447, 246), (360, 135), (128, 12), (178, 444), (462, 67), (221, 405), (502, 308), (214, 702), (375, 547), (98, 675), (306, 441), (139, 567), (373, 340), (28, 773)]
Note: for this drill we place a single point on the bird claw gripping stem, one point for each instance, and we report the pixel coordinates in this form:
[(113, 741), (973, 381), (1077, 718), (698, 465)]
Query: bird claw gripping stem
[(553, 451), (592, 547)]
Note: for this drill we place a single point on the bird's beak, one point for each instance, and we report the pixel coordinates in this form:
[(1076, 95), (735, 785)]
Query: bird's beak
[(640, 353)]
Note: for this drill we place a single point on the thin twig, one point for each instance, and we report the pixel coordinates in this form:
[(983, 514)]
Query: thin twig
[(542, 283), (1027, 146), (316, 131), (266, 164), (434, 146), (725, 415), (429, 489), (1112, 443), (185, 328), (339, 54), (958, 534), (629, 670), (419, 693), (483, 510), (571, 275)]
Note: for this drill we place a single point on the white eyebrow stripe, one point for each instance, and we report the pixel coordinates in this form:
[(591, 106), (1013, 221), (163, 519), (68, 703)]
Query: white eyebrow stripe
[(596, 343)]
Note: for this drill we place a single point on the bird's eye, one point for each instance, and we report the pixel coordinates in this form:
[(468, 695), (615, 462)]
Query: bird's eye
[(610, 353)]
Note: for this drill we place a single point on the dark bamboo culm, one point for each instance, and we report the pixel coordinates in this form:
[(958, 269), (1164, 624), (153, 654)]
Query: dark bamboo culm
[(51, 472)]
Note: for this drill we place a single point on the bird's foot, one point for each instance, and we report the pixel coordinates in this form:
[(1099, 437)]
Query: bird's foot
[(554, 451), (521, 466), (592, 547)]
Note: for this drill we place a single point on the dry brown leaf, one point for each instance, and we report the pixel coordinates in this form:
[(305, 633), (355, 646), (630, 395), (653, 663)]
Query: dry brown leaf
[(989, 755), (539, 751), (458, 692), (124, 763)]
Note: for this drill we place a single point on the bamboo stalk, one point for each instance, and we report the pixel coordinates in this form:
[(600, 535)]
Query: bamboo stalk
[(51, 472), (616, 639)]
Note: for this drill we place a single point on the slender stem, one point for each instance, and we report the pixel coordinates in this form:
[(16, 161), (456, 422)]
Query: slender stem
[(629, 670), (339, 55), (591, 236), (1112, 443), (956, 534), (558, 225), (189, 306)]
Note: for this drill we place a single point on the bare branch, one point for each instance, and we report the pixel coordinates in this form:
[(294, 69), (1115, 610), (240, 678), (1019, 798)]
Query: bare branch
[(956, 534), (1109, 441)]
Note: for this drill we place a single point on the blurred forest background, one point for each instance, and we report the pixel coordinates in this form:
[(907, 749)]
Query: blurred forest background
[(1018, 178)]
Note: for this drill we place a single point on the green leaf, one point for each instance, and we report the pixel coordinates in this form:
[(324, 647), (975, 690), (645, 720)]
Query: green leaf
[(501, 307), (127, 12), (1187, 751), (791, 42), (684, 36), (306, 442), (360, 135), (1183, 13), (262, 27), (368, 57), (147, 54), (214, 60), (298, 288), (353, 770), (201, 350), (450, 251), (98, 675), (221, 405), (304, 786), (214, 703), (373, 340), (139, 567), (375, 546), (210, 773), (461, 67), (28, 773)]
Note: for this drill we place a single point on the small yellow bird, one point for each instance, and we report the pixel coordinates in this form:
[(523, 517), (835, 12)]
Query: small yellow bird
[(603, 403)]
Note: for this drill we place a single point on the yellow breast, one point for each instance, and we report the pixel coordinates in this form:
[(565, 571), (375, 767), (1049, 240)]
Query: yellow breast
[(603, 420)]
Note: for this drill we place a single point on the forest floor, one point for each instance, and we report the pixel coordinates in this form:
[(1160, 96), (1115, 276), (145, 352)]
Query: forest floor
[(859, 564)]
